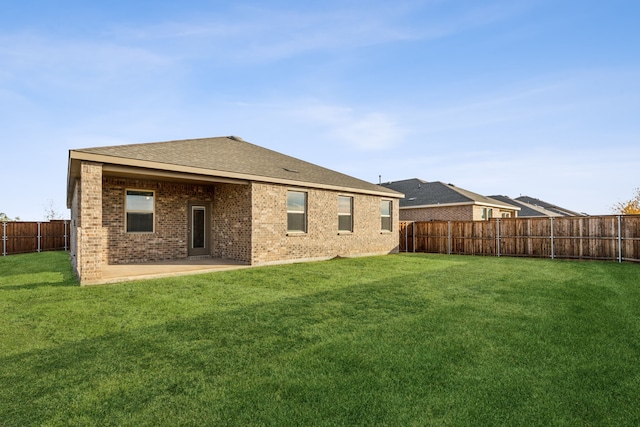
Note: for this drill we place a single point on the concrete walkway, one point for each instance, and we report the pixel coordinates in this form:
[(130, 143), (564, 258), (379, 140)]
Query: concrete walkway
[(152, 270)]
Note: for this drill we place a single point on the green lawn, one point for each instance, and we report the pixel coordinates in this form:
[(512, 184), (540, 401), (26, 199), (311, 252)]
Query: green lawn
[(408, 339)]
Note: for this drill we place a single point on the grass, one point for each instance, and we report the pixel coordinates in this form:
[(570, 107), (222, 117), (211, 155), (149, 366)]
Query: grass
[(397, 340)]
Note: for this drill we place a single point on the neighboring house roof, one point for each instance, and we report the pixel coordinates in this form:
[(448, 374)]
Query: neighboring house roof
[(229, 158), (548, 206), (420, 193), (527, 210)]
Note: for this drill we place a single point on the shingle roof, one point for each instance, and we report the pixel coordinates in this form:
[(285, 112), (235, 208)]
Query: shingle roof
[(548, 206), (422, 193), (527, 210), (229, 157)]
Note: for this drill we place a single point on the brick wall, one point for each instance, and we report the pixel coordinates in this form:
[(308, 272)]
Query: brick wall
[(255, 235), (169, 239), (89, 231), (272, 243), (445, 213), (75, 224), (231, 225)]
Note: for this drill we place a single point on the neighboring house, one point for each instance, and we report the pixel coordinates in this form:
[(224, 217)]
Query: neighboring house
[(218, 197), (549, 206), (527, 210), (437, 201)]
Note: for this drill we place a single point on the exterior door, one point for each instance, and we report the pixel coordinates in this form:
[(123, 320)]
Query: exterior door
[(198, 230)]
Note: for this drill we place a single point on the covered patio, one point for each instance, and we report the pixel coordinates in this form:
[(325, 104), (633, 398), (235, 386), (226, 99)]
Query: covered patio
[(114, 273)]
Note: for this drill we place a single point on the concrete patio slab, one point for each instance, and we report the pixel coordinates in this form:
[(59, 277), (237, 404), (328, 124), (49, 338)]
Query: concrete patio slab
[(139, 271)]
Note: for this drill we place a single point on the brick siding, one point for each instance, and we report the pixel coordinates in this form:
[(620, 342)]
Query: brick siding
[(89, 232), (248, 223), (231, 225), (445, 213), (272, 243), (230, 219)]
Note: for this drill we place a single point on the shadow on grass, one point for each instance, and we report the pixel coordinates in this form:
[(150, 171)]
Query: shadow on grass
[(31, 271), (367, 354), (288, 361), (36, 280)]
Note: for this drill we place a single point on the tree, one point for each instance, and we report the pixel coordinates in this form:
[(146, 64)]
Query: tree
[(51, 211), (5, 218), (630, 207)]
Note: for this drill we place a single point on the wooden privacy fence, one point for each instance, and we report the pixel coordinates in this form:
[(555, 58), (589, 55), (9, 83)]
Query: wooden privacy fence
[(20, 237), (614, 237)]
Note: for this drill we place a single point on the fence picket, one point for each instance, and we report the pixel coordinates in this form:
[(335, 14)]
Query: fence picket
[(608, 237), (31, 236)]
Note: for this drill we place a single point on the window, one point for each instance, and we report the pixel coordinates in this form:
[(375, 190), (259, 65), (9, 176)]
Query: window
[(487, 213), (345, 213), (385, 215), (506, 215), (296, 211), (139, 208)]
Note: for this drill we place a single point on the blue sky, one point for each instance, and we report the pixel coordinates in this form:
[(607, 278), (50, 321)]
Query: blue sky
[(531, 97)]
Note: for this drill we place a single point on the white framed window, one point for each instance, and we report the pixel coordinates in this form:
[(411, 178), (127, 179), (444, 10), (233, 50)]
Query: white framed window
[(139, 208), (345, 213), (487, 213), (297, 211), (385, 215)]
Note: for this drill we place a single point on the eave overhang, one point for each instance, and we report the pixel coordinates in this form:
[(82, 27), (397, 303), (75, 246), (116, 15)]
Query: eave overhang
[(127, 167)]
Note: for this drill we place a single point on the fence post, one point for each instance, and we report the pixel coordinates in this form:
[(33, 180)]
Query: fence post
[(498, 232), (448, 237), (65, 236), (39, 236), (552, 247), (413, 233), (406, 237), (619, 238), (4, 239)]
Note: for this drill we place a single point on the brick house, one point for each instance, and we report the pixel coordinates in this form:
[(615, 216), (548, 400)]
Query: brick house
[(218, 197), (437, 201)]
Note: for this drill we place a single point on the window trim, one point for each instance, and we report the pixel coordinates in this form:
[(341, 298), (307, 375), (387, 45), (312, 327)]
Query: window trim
[(152, 211), (487, 213), (350, 214), (304, 212), (390, 216)]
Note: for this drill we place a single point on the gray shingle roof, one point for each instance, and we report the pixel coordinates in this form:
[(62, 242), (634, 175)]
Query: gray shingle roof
[(527, 210), (422, 193), (548, 206), (231, 156)]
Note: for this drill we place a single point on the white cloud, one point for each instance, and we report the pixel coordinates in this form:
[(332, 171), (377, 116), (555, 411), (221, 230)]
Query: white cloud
[(364, 131), (372, 131), (251, 34), (35, 60)]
